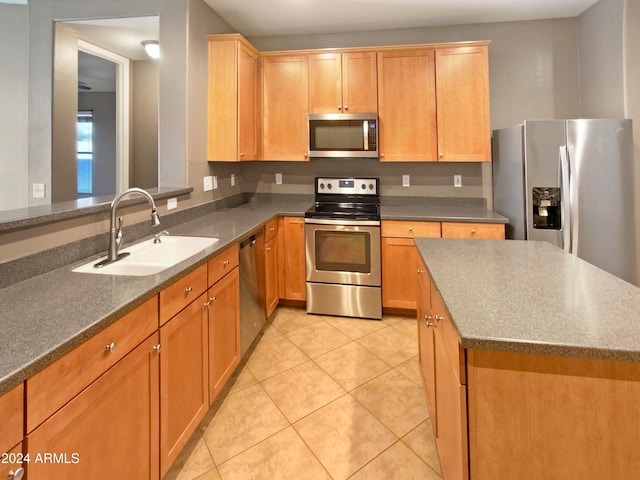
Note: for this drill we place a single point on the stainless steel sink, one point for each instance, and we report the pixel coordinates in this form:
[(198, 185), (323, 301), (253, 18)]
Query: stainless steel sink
[(148, 258)]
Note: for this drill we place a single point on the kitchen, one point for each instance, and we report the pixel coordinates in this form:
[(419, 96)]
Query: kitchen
[(510, 108)]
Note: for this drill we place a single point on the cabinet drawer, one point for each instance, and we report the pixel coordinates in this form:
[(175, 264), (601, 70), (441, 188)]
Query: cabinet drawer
[(177, 296), (410, 229), (53, 387), (449, 335), (223, 263), (271, 229), (11, 413), (473, 230)]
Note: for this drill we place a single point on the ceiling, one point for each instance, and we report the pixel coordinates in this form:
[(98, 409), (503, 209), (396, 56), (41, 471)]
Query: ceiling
[(254, 18)]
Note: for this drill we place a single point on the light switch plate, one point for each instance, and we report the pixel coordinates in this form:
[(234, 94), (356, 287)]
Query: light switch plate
[(39, 190), (278, 179), (215, 182), (208, 183), (172, 203), (233, 179), (457, 180), (406, 180)]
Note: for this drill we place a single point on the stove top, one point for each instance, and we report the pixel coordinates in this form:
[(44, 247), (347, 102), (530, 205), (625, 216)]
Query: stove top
[(346, 198)]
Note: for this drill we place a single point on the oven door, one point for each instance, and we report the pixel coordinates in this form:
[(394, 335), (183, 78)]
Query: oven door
[(343, 252)]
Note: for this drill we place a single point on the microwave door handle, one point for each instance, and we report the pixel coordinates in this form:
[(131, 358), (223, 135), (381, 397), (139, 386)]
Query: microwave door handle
[(365, 134)]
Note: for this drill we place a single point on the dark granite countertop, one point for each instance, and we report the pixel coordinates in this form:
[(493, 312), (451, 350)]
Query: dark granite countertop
[(532, 297), (44, 317)]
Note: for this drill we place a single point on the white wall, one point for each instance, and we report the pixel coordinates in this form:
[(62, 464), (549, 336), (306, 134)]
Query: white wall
[(14, 83)]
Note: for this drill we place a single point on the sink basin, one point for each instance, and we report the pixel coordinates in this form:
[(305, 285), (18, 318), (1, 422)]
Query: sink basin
[(148, 258)]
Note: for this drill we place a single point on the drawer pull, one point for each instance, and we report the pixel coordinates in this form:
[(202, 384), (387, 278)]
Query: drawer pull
[(473, 231), (420, 271), (272, 229), (268, 249), (439, 318), (110, 347), (17, 475), (225, 262), (188, 290), (411, 229), (157, 348), (427, 321)]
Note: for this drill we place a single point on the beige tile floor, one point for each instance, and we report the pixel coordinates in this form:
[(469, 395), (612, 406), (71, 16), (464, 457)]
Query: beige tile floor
[(319, 398)]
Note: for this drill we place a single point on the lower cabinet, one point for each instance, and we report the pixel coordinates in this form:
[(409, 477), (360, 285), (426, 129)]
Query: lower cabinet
[(271, 275), (109, 430), (223, 307), (184, 392), (294, 281), (11, 432)]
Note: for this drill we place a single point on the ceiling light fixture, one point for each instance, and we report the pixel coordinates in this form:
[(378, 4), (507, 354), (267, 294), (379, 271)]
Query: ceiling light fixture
[(152, 47)]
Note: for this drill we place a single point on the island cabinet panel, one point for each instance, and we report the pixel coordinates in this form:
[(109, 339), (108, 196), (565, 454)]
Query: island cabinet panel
[(473, 230), (426, 345), (285, 107), (51, 388), (544, 416), (407, 105), (293, 265), (462, 92), (343, 83), (110, 430), (184, 392), (11, 430)]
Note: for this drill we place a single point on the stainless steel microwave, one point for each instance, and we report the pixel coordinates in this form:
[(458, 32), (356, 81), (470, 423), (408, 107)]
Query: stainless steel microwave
[(343, 135)]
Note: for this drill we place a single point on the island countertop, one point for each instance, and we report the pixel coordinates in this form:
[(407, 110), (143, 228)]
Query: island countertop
[(532, 297)]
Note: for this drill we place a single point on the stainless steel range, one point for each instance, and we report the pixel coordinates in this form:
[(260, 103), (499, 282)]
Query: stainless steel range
[(342, 237)]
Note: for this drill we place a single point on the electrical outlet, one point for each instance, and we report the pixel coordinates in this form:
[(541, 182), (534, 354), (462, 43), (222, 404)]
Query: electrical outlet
[(457, 180), (215, 182), (406, 180), (233, 179), (208, 183), (278, 179), (39, 190), (172, 203)]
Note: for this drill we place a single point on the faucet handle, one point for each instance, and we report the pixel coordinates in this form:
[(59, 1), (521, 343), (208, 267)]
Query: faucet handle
[(157, 236)]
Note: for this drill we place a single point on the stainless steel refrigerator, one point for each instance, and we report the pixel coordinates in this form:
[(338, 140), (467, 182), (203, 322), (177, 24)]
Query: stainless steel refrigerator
[(570, 182)]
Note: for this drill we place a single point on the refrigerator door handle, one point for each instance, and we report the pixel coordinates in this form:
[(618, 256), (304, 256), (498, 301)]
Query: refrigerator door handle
[(564, 181), (573, 201)]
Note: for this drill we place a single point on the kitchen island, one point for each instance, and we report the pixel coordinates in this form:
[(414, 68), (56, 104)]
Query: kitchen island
[(531, 362)]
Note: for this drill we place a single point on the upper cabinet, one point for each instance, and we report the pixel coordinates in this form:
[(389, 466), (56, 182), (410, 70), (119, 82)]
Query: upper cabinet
[(462, 93), (432, 100), (433, 104), (343, 83), (285, 107), (407, 105), (233, 96)]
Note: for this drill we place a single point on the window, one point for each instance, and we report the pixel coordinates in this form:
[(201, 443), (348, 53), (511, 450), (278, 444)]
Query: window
[(84, 132)]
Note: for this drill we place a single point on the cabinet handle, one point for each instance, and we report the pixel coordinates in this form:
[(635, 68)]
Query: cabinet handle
[(17, 475), (346, 108), (441, 155), (382, 155), (427, 321), (340, 107), (410, 229), (157, 348), (272, 229), (225, 262), (420, 271), (242, 154), (212, 299), (268, 249), (438, 318), (473, 231), (306, 154), (110, 347), (188, 290), (301, 222)]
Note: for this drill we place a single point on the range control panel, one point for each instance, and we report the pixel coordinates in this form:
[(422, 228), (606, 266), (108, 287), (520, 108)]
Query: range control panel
[(347, 186)]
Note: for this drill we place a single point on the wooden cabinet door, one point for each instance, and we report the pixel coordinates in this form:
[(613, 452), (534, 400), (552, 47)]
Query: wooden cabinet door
[(359, 82), (248, 106), (110, 430), (285, 107), (407, 105), (295, 279), (398, 273), (325, 83), (271, 275), (11, 462), (462, 82), (426, 345), (184, 392), (11, 430), (224, 331)]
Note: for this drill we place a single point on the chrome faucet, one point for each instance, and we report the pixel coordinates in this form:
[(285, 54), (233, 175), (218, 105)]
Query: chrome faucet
[(115, 234)]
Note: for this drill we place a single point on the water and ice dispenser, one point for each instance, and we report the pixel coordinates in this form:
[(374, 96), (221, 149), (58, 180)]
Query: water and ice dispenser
[(547, 208)]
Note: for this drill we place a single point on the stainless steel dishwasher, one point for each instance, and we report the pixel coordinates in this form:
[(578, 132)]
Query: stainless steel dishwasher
[(252, 301)]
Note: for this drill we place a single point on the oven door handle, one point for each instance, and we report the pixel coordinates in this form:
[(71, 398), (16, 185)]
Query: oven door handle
[(345, 222)]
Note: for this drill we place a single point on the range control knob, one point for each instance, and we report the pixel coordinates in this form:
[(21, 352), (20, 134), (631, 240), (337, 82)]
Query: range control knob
[(322, 186), (329, 186), (364, 187), (371, 186)]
